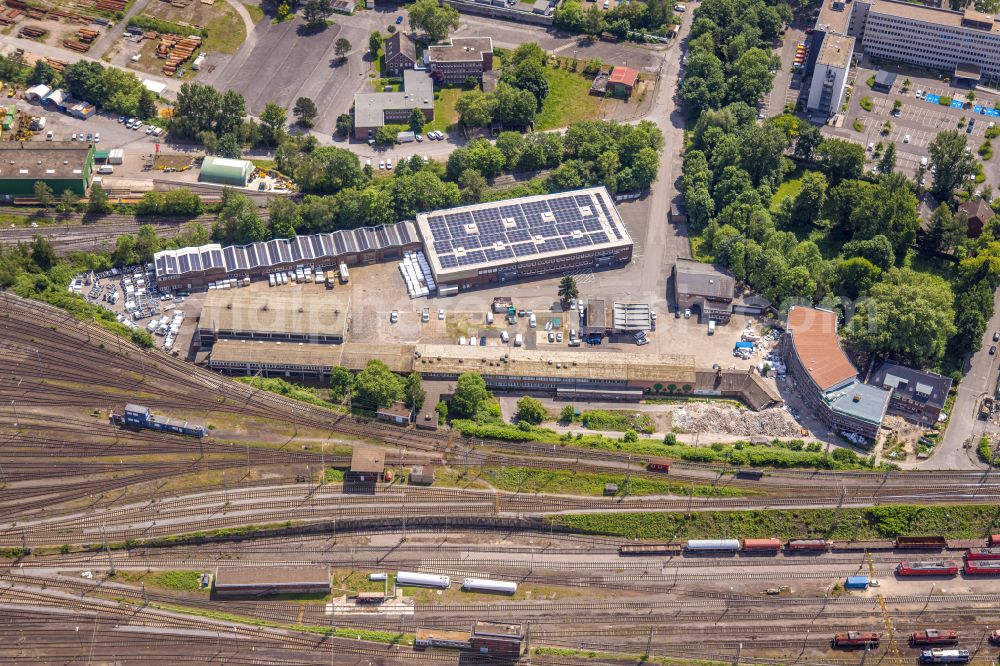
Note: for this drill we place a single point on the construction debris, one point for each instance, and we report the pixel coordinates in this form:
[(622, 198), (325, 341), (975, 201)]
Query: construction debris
[(730, 420)]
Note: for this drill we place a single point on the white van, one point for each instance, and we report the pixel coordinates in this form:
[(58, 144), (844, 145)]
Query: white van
[(105, 168), (532, 321), (504, 337), (489, 316), (711, 327), (518, 340)]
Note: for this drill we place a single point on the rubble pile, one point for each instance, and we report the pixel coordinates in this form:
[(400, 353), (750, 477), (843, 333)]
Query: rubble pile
[(730, 420)]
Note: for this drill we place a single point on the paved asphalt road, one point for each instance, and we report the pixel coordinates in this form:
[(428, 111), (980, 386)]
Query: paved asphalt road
[(980, 380)]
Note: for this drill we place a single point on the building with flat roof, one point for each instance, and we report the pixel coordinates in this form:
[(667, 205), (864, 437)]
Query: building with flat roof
[(829, 79), (966, 44), (373, 110), (917, 395), (225, 171), (704, 289), (828, 381), (286, 315), (400, 53), (507, 240), (498, 639), (246, 581), (190, 267), (460, 59), (62, 165)]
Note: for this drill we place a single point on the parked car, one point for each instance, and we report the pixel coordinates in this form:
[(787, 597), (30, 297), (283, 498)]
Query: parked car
[(440, 314), (399, 19), (687, 313), (394, 316), (993, 350)]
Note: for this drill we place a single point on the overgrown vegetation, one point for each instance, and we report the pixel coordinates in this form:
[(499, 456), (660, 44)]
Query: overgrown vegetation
[(565, 482), (289, 390), (598, 419), (883, 522)]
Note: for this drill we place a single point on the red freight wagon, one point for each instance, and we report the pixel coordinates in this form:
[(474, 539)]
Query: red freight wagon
[(936, 568), (857, 639), (658, 465), (934, 637), (983, 554), (757, 545), (995, 539), (982, 567)]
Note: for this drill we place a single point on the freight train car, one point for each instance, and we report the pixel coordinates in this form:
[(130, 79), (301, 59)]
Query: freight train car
[(921, 543), (761, 545), (982, 568), (412, 579), (983, 554), (807, 545), (935, 568), (713, 545), (934, 637), (650, 549), (854, 639)]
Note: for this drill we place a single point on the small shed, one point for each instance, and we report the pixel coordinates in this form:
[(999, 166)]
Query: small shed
[(883, 81), (397, 413), (367, 464), (422, 475), (678, 213), (225, 171), (622, 81)]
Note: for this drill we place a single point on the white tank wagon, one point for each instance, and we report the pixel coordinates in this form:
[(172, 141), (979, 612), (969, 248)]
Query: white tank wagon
[(412, 579), (484, 585), (717, 545)]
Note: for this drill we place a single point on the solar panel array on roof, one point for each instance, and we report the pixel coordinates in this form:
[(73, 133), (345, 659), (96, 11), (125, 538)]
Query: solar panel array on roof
[(189, 260), (571, 221)]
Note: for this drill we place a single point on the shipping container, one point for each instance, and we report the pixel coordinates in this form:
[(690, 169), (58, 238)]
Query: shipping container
[(409, 578), (772, 545), (484, 585), (345, 276), (721, 545), (856, 583)]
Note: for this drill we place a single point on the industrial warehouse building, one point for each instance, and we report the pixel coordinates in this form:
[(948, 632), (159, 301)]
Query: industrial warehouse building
[(828, 381), (565, 374), (507, 240), (262, 581), (62, 165), (191, 267), (225, 171), (704, 289), (287, 315)]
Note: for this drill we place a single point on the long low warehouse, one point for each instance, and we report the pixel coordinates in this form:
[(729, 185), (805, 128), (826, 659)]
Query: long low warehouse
[(633, 375), (260, 581)]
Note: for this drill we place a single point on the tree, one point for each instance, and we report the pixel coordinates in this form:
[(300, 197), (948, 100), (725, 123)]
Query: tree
[(750, 76), (341, 384), (377, 385), (42, 73), (341, 48), (908, 315), (414, 391), (147, 104), (887, 164), (98, 203), (283, 218), (304, 111), (842, 160), (810, 200), (375, 42), (513, 107), (945, 230), (43, 193), (530, 410), (124, 253), (954, 165), (567, 289), (229, 146), (345, 123), (472, 185), (146, 243), (567, 414), (475, 108), (316, 13), (434, 19), (239, 222), (273, 123), (855, 276), (528, 75), (470, 394), (43, 254), (67, 201), (808, 141), (417, 120)]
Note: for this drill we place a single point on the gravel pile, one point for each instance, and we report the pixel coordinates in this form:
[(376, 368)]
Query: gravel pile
[(730, 420)]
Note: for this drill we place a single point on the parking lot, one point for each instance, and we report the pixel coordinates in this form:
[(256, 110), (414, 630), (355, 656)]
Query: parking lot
[(918, 120)]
